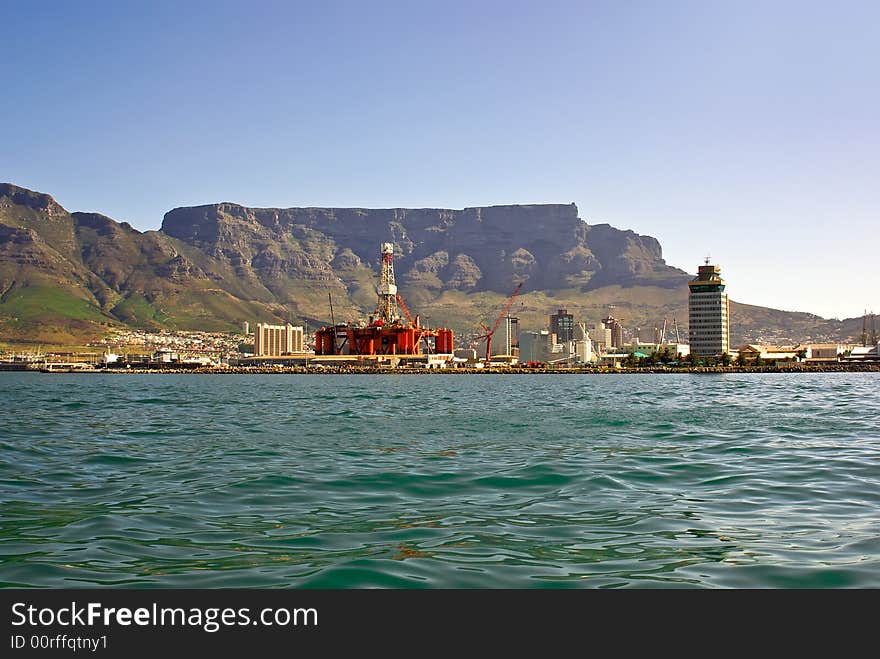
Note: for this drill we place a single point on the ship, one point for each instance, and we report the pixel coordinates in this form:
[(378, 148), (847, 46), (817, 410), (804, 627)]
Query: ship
[(21, 363)]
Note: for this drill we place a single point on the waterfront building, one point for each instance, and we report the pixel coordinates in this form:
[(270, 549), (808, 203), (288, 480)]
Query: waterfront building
[(562, 324), (708, 313), (864, 354), (465, 354), (750, 353), (613, 359), (650, 348), (276, 340), (824, 352), (544, 346)]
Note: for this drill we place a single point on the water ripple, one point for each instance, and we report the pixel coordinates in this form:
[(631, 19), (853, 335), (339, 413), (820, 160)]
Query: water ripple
[(731, 481)]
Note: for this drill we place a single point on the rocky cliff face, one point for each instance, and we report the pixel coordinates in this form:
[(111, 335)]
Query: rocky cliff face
[(476, 249)]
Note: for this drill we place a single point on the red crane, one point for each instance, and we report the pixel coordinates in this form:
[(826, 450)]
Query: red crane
[(405, 310), (490, 332)]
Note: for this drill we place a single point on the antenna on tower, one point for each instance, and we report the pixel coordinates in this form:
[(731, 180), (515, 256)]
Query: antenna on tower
[(707, 259)]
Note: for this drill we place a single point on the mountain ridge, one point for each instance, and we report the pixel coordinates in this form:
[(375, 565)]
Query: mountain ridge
[(64, 275)]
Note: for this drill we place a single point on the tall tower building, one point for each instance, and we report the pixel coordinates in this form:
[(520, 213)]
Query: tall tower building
[(708, 313), (601, 336), (506, 341), (562, 325)]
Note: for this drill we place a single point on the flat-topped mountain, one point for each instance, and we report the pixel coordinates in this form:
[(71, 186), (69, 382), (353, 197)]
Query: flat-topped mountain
[(66, 275), (476, 249)]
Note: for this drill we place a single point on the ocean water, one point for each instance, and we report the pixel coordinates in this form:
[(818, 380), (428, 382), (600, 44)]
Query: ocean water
[(440, 481)]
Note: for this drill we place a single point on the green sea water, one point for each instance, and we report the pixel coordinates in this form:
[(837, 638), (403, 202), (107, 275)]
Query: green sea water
[(439, 481)]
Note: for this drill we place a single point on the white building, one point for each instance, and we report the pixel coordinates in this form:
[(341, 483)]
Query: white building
[(583, 345), (828, 352), (506, 339), (601, 338), (864, 354), (673, 349), (276, 340)]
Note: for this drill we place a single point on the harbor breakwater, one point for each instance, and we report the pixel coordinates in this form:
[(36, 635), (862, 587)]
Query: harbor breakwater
[(371, 370)]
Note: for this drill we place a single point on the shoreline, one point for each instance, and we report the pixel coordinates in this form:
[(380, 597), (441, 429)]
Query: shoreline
[(363, 370)]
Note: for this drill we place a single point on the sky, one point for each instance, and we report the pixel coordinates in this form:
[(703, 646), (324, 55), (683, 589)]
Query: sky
[(744, 131)]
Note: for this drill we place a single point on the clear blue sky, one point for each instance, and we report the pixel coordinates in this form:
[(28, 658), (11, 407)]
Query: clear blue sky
[(745, 130)]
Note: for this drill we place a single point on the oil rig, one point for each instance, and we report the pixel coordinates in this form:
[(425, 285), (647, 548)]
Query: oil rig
[(386, 333)]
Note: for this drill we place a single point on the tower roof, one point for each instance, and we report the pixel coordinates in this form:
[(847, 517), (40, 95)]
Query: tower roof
[(707, 275)]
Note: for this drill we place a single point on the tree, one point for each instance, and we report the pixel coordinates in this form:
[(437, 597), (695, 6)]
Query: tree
[(758, 360), (741, 359), (725, 359)]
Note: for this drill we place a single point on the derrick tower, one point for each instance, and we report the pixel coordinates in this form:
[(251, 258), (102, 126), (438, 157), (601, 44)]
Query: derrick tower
[(387, 305)]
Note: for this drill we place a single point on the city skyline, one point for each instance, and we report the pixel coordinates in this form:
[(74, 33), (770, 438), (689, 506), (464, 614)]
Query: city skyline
[(749, 135)]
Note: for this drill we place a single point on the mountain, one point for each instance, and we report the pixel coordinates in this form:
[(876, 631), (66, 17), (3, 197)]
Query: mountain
[(299, 254), (67, 276)]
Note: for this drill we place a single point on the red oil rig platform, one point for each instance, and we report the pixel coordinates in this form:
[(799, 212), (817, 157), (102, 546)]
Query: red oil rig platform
[(387, 337)]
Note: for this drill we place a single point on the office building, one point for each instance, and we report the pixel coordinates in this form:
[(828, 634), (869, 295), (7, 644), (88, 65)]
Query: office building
[(535, 346), (562, 325), (613, 325), (601, 336), (506, 339), (708, 313)]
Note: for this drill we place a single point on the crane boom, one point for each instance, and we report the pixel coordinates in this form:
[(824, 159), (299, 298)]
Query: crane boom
[(490, 332), (507, 306), (405, 309)]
